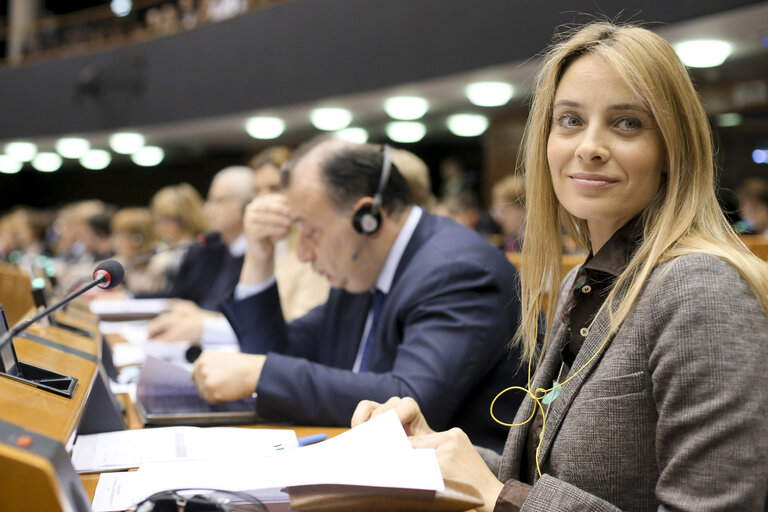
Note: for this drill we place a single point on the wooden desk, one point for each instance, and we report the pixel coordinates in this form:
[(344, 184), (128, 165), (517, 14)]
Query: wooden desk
[(34, 471)]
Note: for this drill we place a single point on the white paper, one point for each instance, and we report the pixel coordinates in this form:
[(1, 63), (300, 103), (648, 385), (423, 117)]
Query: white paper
[(107, 307), (126, 354), (134, 332), (131, 448), (376, 453)]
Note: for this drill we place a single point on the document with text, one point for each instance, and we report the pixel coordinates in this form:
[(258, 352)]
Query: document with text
[(111, 451), (374, 454)]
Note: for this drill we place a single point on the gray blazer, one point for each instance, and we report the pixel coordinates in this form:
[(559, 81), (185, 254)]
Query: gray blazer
[(671, 415)]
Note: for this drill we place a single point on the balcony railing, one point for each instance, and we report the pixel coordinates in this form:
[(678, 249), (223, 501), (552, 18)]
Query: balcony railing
[(98, 28)]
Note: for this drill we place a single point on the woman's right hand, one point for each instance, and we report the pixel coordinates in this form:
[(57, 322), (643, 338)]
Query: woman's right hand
[(458, 459), (407, 411)]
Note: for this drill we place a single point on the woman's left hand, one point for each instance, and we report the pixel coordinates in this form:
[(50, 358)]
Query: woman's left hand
[(460, 461)]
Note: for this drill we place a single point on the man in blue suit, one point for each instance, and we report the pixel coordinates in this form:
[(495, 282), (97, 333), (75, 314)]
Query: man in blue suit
[(420, 306)]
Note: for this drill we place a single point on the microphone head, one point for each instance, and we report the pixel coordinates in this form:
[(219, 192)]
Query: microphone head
[(110, 272), (192, 353), (209, 237)]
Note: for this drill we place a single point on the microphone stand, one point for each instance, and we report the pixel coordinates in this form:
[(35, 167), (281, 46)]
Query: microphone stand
[(18, 328)]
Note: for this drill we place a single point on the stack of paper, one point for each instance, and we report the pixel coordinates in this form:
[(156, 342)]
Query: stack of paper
[(126, 309), (376, 454), (126, 449)]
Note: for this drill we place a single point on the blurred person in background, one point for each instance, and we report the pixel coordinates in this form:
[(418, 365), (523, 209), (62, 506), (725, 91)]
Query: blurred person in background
[(133, 239), (74, 262), (508, 210), (187, 14), (178, 215), (753, 205), (29, 227), (461, 207), (454, 178), (210, 271), (70, 229), (98, 239), (416, 173), (7, 238)]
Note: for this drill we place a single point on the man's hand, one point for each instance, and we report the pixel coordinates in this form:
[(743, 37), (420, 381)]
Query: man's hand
[(265, 222), (176, 327), (183, 322), (224, 376)]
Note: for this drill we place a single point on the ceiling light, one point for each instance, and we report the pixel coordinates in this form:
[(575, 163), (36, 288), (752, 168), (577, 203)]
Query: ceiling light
[(330, 119), (489, 94), (121, 7), (467, 125), (148, 156), (356, 135), (96, 159), (406, 131), (406, 108), (265, 127), (72, 147), (126, 143), (21, 151), (728, 120), (703, 53), (9, 165), (47, 162), (760, 156)]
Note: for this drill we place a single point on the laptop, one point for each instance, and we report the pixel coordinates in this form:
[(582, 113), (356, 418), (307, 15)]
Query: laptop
[(166, 395)]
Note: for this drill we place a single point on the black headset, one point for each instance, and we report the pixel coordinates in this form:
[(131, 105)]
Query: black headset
[(367, 219)]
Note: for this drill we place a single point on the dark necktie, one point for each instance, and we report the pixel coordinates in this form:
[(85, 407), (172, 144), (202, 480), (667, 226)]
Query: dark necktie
[(376, 306)]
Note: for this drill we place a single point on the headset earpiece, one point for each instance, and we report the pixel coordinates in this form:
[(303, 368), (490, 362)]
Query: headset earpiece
[(367, 219)]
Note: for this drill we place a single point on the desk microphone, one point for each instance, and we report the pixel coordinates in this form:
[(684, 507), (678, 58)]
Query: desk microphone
[(106, 275), (192, 353)]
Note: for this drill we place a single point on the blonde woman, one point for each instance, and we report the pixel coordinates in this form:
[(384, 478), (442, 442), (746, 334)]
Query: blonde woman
[(651, 392), (177, 211)]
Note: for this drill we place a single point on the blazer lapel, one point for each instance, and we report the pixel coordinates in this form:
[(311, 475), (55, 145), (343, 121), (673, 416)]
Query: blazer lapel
[(559, 407)]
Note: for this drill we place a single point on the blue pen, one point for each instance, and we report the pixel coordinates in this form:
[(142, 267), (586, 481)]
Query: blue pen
[(315, 438)]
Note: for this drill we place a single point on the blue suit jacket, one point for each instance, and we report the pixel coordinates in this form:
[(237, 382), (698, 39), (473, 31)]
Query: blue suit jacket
[(207, 276), (441, 339)]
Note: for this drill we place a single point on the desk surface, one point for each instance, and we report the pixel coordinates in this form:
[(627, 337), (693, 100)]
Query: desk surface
[(90, 480)]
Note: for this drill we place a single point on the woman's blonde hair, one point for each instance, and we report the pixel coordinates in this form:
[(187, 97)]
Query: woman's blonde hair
[(684, 217), (136, 222), (182, 203)]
